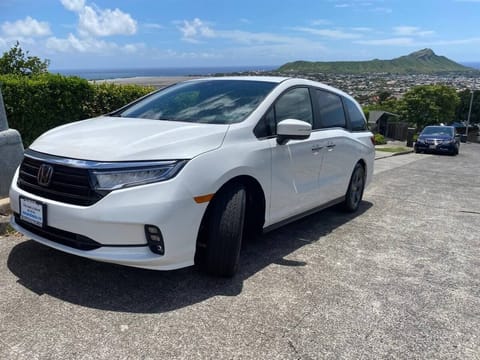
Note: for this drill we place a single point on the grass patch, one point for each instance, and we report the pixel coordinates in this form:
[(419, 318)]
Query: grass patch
[(394, 149), (10, 230)]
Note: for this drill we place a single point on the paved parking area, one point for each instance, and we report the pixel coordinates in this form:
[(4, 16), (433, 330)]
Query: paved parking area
[(400, 279)]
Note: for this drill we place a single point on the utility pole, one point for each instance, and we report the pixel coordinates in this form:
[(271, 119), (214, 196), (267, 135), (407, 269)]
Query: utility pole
[(469, 113)]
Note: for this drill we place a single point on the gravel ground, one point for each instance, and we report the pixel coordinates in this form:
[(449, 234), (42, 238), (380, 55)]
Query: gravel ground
[(399, 279)]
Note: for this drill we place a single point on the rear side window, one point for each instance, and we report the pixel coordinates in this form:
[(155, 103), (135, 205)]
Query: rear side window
[(357, 120), (331, 111)]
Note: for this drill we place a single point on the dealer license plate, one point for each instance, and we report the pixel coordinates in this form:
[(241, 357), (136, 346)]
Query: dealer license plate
[(33, 212)]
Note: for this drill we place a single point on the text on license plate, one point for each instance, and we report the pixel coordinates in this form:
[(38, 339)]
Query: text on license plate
[(32, 211)]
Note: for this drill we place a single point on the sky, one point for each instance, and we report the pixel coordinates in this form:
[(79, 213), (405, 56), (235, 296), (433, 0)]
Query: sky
[(101, 34)]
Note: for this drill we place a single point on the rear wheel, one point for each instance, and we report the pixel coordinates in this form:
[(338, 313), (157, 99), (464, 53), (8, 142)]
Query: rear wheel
[(356, 186), (225, 223)]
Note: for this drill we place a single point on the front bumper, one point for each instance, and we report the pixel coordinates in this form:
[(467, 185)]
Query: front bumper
[(436, 147), (117, 224)]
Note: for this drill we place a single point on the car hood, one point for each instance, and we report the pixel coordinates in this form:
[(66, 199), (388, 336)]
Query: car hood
[(129, 139)]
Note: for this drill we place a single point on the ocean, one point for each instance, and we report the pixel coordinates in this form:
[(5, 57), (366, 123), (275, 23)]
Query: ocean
[(475, 65), (99, 74)]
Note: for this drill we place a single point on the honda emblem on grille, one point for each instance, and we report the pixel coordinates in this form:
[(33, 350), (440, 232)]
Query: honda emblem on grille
[(44, 175)]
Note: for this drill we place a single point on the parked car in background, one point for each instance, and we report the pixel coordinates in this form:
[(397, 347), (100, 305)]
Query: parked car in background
[(183, 175), (438, 139)]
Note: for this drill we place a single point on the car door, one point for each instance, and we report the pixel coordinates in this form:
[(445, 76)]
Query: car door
[(339, 154), (295, 165)]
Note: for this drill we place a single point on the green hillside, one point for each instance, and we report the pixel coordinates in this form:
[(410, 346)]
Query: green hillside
[(421, 62)]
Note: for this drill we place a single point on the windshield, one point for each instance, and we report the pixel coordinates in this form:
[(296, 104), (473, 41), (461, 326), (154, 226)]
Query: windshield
[(438, 130), (203, 101)]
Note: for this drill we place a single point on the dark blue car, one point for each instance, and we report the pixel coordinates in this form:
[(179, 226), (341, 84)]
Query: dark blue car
[(439, 139)]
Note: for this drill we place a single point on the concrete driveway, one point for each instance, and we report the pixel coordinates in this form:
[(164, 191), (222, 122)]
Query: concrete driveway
[(400, 279)]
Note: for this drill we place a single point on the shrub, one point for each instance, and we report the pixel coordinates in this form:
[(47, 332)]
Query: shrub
[(37, 104), (380, 139), (108, 97)]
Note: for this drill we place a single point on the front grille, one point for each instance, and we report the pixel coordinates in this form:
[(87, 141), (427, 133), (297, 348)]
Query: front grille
[(69, 185), (63, 237)]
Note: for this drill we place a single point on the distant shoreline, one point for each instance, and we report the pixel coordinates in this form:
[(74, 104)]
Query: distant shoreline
[(155, 81)]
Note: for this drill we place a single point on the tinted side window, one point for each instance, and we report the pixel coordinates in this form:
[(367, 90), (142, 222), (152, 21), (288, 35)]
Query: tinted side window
[(294, 104), (357, 120), (330, 108)]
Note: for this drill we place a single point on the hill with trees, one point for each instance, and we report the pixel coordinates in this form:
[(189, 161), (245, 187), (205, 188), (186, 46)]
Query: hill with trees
[(420, 62)]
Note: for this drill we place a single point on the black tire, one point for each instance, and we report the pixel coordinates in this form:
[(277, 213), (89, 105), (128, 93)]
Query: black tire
[(225, 223), (354, 194)]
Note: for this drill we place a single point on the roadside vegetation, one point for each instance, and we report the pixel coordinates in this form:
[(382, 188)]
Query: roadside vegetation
[(394, 149), (36, 100)]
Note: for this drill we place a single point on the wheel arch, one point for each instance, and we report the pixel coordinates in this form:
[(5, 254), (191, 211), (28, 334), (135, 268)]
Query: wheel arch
[(255, 209)]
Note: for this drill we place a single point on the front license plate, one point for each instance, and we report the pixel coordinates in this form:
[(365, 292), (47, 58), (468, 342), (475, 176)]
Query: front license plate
[(33, 212), (432, 146)]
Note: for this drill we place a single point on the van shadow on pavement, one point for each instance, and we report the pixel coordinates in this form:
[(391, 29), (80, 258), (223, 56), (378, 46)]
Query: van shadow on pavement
[(119, 288)]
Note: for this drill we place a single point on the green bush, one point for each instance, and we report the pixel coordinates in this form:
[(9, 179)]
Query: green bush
[(37, 104), (380, 139), (108, 97)]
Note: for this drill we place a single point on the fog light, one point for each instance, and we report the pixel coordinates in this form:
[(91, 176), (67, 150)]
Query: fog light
[(154, 239)]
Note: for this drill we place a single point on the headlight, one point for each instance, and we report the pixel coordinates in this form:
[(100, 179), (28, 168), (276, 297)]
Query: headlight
[(135, 174)]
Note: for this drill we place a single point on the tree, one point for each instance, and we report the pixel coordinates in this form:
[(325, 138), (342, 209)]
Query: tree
[(17, 62), (430, 104), (463, 107)]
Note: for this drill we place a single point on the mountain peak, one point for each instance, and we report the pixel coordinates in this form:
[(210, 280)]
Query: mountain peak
[(423, 54)]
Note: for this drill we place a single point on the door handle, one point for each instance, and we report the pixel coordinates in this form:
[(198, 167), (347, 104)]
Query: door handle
[(316, 148), (331, 146)]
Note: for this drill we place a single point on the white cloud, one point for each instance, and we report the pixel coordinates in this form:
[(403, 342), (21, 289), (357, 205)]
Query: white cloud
[(88, 45), (73, 5), (106, 22), (329, 33), (382, 10), (192, 30), (153, 26), (362, 29), (94, 21), (258, 45), (398, 41), (411, 31), (28, 27), (318, 22)]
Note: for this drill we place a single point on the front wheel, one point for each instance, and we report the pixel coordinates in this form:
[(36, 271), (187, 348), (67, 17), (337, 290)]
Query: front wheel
[(225, 225), (354, 194)]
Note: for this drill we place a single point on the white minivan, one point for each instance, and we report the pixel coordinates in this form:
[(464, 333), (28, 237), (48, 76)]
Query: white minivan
[(183, 175)]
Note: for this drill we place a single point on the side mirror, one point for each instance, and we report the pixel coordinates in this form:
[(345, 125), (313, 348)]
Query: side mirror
[(292, 129)]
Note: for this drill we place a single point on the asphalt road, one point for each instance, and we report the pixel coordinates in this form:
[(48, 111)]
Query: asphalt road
[(400, 279)]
